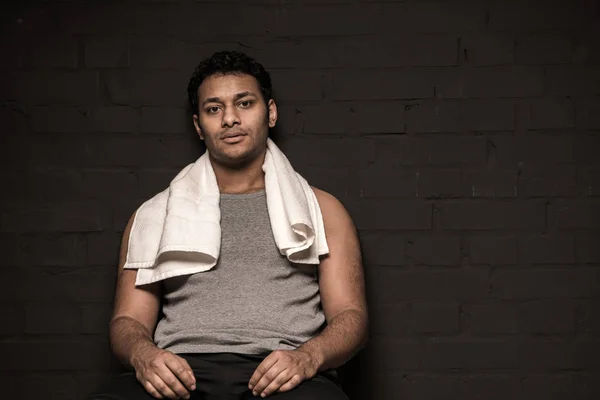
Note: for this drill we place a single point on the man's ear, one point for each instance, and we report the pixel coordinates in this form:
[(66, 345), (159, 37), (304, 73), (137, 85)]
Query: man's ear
[(272, 113), (197, 126)]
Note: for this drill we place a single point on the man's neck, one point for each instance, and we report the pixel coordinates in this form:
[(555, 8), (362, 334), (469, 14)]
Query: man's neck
[(248, 179)]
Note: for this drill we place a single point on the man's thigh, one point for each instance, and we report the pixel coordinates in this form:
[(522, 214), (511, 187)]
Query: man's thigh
[(317, 388)]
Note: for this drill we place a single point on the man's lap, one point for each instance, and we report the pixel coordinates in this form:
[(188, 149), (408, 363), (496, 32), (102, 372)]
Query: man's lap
[(221, 376)]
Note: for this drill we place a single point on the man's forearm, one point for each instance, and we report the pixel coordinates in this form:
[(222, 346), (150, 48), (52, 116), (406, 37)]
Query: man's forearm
[(343, 337), (128, 337)]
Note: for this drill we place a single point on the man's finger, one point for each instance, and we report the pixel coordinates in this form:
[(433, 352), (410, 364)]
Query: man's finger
[(182, 371), (276, 383), (161, 387), (268, 377), (292, 383), (263, 367), (152, 390), (172, 383)]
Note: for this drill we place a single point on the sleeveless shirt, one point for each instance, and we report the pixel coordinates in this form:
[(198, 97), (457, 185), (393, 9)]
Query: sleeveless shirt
[(254, 300)]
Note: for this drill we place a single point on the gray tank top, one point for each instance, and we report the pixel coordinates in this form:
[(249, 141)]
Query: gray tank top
[(253, 301)]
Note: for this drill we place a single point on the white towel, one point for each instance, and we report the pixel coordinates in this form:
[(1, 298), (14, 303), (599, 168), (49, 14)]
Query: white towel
[(178, 232)]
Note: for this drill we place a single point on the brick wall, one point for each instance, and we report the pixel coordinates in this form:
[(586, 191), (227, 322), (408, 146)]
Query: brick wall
[(463, 137)]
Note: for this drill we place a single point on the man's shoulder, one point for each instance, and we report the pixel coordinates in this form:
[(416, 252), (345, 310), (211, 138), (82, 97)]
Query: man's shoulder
[(329, 204)]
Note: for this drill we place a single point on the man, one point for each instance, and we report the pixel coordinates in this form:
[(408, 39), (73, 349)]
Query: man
[(252, 332)]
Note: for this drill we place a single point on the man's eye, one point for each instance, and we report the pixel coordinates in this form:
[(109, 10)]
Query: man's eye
[(246, 103), (212, 110)]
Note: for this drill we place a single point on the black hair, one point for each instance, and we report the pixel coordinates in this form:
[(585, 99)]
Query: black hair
[(228, 62)]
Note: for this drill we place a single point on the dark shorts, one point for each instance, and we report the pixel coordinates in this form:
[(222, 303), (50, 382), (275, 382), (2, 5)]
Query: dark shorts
[(224, 376)]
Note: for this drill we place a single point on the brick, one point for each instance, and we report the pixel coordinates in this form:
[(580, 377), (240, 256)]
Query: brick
[(106, 52), (432, 17), (588, 180), (389, 319), (588, 385), (526, 149), (12, 251), (380, 249), (438, 151), (442, 183), (392, 285), (577, 215), (89, 382), (488, 114), (547, 355), (328, 151), (54, 250), (12, 320), (392, 215), (434, 318), (181, 20), (544, 283), (298, 86), (383, 84), (418, 50), (65, 217), (350, 117), (467, 354), (168, 53), (14, 50), (572, 80), (548, 386), (437, 251), (551, 249), (59, 119), (102, 248), (488, 49), (493, 216), (389, 354), (304, 52), (340, 182), (543, 49), (166, 120), (585, 148), (587, 249), (493, 250), (152, 181), (491, 318), (535, 15), (493, 183), (54, 356), (93, 19), (387, 182), (315, 20), (95, 319), (489, 387), (492, 81), (548, 181), (54, 52), (121, 183), (590, 114), (430, 117), (592, 317), (430, 387), (54, 385), (92, 284), (52, 319), (115, 119), (53, 88), (547, 317), (49, 183), (148, 88), (551, 113)]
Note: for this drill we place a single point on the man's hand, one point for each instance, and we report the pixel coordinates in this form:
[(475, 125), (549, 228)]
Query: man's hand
[(281, 371), (164, 374)]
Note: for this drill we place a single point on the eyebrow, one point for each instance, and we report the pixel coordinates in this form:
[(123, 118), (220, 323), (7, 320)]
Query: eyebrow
[(236, 97)]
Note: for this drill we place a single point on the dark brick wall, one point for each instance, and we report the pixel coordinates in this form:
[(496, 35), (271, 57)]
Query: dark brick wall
[(462, 135)]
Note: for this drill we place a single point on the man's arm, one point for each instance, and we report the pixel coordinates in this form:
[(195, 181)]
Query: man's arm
[(163, 374), (342, 289)]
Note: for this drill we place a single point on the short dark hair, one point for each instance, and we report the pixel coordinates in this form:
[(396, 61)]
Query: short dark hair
[(228, 62)]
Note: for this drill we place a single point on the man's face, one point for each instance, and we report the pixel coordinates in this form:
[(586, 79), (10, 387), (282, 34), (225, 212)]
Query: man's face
[(232, 118)]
